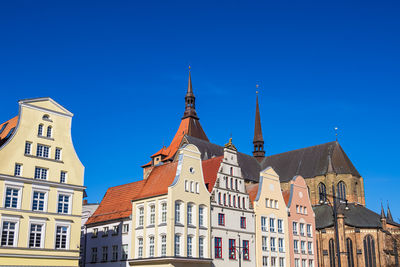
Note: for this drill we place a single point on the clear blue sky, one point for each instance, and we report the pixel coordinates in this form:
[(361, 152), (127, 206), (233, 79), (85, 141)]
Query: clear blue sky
[(121, 68)]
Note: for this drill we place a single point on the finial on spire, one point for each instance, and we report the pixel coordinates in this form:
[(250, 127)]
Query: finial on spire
[(389, 213), (258, 141), (336, 133), (230, 144), (190, 110), (383, 216)]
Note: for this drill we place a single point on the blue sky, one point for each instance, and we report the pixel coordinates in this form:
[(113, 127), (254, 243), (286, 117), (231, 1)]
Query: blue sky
[(121, 68)]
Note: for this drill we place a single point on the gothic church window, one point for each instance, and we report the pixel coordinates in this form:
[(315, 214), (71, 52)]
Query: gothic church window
[(322, 192), (369, 251), (332, 259), (341, 190), (350, 259)]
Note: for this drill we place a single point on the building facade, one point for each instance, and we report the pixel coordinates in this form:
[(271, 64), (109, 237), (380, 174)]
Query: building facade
[(41, 183), (271, 221), (301, 224)]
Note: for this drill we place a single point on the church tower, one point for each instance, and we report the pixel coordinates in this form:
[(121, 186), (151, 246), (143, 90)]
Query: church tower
[(190, 101), (258, 141)]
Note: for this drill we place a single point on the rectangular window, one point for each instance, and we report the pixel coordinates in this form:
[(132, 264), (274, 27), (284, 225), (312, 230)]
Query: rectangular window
[(280, 244), (105, 231), (310, 263), (309, 230), (296, 263), (303, 247), (310, 251), (61, 237), (152, 214), (114, 253), (302, 229), (273, 261), (40, 173), (38, 201), (265, 261), (296, 246), (201, 216), (28, 148), (177, 212), (94, 254), (246, 254), (280, 226), (164, 212), (12, 198), (264, 243), (125, 228), (201, 247), (263, 223), (115, 230), (8, 233), (281, 262), (197, 188), (63, 177), (272, 224), (232, 249), (186, 185), (58, 154), (221, 219), (141, 216), (151, 246), (105, 254), (63, 204), (18, 169), (267, 202), (140, 247), (272, 244), (163, 245), (177, 245), (189, 246), (124, 252), (303, 263), (294, 228), (243, 222), (42, 151), (218, 247), (190, 214), (95, 232)]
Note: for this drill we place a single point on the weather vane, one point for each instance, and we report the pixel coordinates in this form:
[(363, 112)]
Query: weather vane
[(336, 133), (257, 85)]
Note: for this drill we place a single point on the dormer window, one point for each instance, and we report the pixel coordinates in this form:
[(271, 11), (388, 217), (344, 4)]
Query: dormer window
[(49, 131), (40, 130), (46, 117)]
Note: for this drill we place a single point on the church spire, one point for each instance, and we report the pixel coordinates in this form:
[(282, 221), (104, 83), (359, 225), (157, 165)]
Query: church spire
[(258, 140), (389, 214), (383, 216), (190, 100)]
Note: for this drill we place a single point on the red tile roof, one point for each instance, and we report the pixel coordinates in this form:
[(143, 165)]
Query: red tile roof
[(252, 190), (210, 170), (11, 123), (286, 196)]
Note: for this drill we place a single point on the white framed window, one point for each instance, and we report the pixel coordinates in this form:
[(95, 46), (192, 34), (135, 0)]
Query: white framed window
[(49, 132), (310, 250), (271, 224), (151, 246), (280, 226), (177, 245), (296, 246), (140, 247), (267, 202), (63, 177), (294, 228), (264, 243), (303, 247), (310, 263), (36, 234), (105, 231), (39, 200), (163, 245), (189, 246), (62, 236), (191, 186), (114, 253), (296, 263), (186, 185), (124, 252), (276, 204), (105, 254), (28, 148), (9, 231), (302, 229), (190, 214), (272, 244), (309, 230), (12, 197), (177, 212), (125, 228), (163, 212), (152, 215), (64, 203), (201, 216), (40, 129), (197, 188), (115, 230), (141, 216), (95, 232), (18, 169), (273, 261), (42, 151), (280, 245), (281, 262), (201, 247), (94, 255), (264, 261), (40, 173), (263, 223), (57, 155), (303, 263)]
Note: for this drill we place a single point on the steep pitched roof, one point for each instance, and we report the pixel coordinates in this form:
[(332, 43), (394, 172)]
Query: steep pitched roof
[(252, 190), (286, 196), (210, 171), (116, 203), (6, 129), (311, 161)]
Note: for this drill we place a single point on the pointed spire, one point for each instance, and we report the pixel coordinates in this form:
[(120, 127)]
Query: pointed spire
[(258, 141), (190, 101), (383, 216), (389, 214)]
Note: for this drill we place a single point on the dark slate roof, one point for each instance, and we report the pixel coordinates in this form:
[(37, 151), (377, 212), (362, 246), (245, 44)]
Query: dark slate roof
[(356, 216), (310, 162), (249, 165)]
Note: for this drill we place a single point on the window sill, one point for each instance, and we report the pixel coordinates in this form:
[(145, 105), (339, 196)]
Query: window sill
[(45, 137), (178, 224), (94, 236), (49, 159), (191, 226), (162, 224), (203, 227)]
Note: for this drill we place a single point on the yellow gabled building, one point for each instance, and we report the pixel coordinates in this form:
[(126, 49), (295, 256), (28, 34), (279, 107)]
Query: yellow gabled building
[(41, 187)]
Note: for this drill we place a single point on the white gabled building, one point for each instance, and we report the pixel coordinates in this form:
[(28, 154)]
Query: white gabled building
[(232, 215)]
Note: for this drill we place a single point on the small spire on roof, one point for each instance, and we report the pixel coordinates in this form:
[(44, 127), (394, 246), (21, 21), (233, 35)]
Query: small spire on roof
[(258, 141), (389, 213), (383, 216), (190, 100)]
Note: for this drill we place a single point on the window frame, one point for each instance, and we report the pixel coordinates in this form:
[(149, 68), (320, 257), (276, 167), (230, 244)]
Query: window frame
[(68, 235), (11, 219), (42, 223)]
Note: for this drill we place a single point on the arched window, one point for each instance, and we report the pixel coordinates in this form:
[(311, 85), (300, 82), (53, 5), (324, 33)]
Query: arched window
[(46, 117), (332, 260), (341, 190), (238, 202), (231, 171), (49, 131), (232, 183), (236, 185), (369, 251), (244, 203), (40, 130), (225, 199), (322, 192), (350, 259)]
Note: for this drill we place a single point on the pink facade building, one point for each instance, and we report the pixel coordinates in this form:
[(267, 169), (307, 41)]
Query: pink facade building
[(302, 237)]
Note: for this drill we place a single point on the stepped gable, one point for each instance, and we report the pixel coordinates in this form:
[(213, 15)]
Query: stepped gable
[(116, 203), (356, 216), (249, 165), (7, 128), (311, 161)]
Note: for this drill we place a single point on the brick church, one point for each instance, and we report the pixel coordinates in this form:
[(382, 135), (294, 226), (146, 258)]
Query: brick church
[(365, 238)]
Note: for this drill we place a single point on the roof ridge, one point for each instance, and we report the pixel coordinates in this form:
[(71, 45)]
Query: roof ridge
[(308, 147)]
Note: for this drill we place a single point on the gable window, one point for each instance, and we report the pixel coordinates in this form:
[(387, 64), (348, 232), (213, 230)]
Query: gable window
[(296, 246), (239, 202), (40, 130), (232, 183), (18, 169), (309, 245), (244, 203), (280, 224), (141, 216), (28, 148), (236, 185), (232, 249), (63, 177), (219, 198), (40, 173), (164, 212), (38, 202), (218, 247), (280, 244), (8, 233), (58, 154), (49, 132), (125, 228), (272, 224), (35, 235), (115, 230), (62, 237), (264, 261), (302, 229), (63, 203), (309, 230), (243, 222), (224, 199), (221, 219), (234, 201), (272, 244), (263, 223), (12, 197), (152, 214), (303, 247), (197, 188), (294, 228), (42, 151)]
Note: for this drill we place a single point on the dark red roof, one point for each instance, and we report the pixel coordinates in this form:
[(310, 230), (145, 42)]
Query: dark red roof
[(210, 170), (8, 126), (252, 190)]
